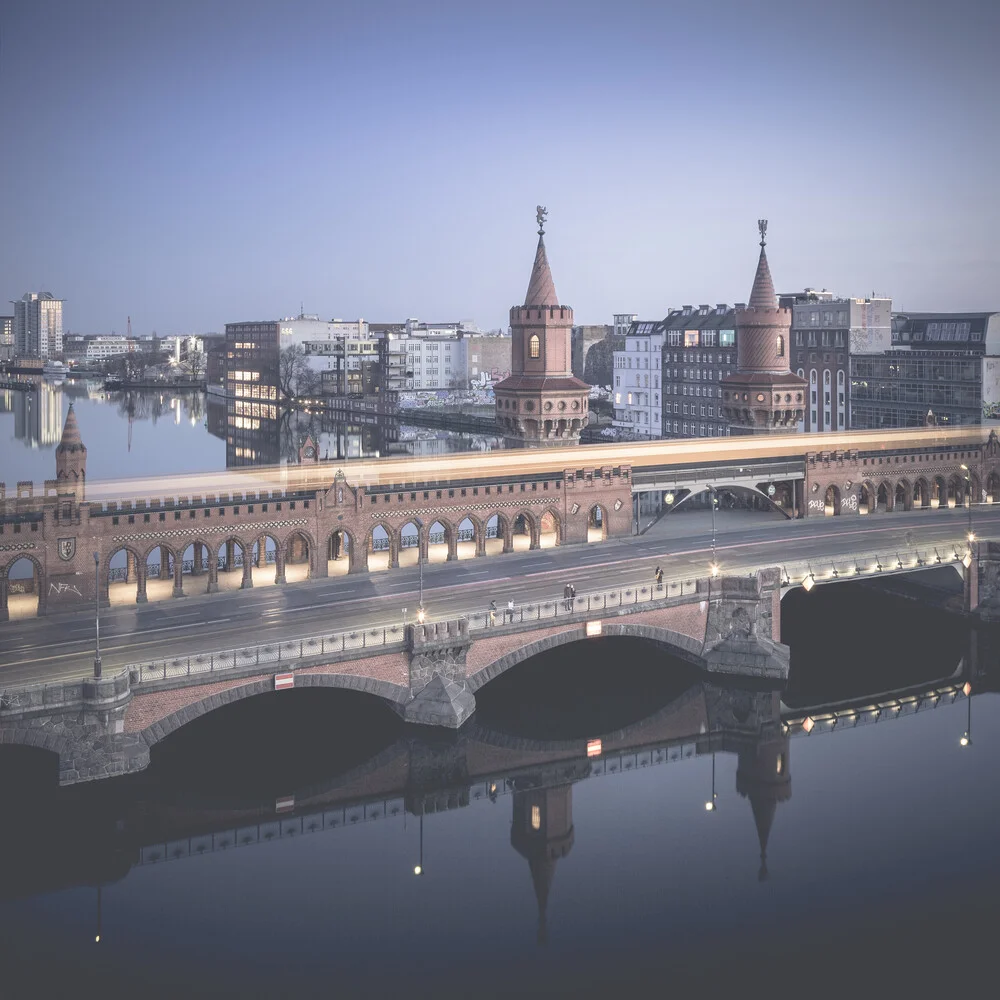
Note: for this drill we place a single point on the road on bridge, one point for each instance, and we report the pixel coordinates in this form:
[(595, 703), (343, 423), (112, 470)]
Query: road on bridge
[(59, 647)]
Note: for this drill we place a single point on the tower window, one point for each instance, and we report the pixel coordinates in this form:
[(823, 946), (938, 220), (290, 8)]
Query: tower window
[(536, 818), (534, 346), (779, 346)]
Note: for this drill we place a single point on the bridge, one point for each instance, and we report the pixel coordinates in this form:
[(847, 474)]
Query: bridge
[(157, 539)]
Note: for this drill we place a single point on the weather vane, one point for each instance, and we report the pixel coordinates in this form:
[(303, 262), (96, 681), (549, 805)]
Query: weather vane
[(762, 226), (540, 212)]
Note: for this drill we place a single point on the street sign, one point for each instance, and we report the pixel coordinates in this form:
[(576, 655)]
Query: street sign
[(284, 804), (282, 681)]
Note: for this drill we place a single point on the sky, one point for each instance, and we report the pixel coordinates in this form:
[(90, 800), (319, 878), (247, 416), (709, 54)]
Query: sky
[(190, 164)]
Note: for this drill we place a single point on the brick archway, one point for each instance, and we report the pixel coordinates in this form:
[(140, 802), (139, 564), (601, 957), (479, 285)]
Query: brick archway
[(675, 643), (39, 584), (184, 705)]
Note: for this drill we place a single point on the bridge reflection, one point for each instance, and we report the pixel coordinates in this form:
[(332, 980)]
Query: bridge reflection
[(97, 835)]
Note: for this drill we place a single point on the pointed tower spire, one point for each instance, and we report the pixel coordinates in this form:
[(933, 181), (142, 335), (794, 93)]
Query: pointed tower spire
[(762, 295), (71, 440), (541, 287), (71, 455)]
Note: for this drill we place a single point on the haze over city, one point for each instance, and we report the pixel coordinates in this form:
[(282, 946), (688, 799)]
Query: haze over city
[(190, 164)]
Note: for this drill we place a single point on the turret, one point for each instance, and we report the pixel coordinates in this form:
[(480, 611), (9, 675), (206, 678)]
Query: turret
[(71, 457)]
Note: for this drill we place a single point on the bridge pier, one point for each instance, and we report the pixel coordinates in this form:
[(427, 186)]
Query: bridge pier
[(140, 584), (437, 674), (213, 573), (178, 590)]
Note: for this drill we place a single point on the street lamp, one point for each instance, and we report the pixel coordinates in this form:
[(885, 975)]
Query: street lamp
[(966, 739), (97, 614), (712, 805), (420, 567), (968, 494), (711, 497)]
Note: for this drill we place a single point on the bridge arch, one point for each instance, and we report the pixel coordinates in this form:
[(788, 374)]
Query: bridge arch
[(597, 523), (921, 492), (523, 526), (199, 550), (549, 529), (884, 497), (440, 540), (993, 487), (341, 552), (831, 501), (232, 573), (675, 643), (264, 549), (902, 498), (395, 694), (939, 491), (498, 533), (866, 498), (29, 600), (297, 556), (956, 491), (469, 538), (123, 584), (382, 546)]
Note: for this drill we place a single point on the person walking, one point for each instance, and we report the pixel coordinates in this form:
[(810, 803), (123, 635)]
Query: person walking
[(510, 610), (658, 575), (493, 613), (568, 596)]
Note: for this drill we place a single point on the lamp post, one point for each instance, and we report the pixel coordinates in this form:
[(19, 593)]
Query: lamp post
[(420, 566), (712, 804), (97, 615), (711, 499), (968, 494), (966, 739)]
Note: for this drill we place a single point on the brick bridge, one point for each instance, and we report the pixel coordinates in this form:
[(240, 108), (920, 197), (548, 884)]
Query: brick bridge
[(100, 728), (163, 538)]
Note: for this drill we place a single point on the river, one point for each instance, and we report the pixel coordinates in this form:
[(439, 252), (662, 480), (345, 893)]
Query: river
[(308, 843)]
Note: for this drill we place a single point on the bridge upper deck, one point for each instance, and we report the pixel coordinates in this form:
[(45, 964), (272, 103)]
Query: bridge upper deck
[(518, 464)]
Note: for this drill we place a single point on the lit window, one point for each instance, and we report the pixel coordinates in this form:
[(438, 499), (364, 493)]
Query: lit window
[(534, 346), (779, 346), (780, 766), (536, 818)]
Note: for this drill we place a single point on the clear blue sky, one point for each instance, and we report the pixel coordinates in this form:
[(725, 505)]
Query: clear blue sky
[(192, 163)]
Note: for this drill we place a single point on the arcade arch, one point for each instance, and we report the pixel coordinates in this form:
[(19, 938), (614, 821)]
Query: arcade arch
[(20, 589), (597, 524), (339, 547), (831, 501)]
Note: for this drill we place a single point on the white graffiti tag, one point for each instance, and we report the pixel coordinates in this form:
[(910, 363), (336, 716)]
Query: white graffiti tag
[(64, 588)]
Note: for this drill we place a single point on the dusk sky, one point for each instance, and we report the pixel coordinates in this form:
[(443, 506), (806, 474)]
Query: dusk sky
[(193, 163)]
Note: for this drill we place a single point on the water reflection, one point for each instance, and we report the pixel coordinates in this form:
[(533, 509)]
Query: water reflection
[(36, 409)]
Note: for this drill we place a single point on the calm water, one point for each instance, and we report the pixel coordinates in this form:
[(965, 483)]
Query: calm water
[(145, 433), (881, 867)]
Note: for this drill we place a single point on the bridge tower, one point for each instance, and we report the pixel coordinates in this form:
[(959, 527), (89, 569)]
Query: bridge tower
[(71, 456), (763, 776), (541, 403), (763, 396), (542, 832)]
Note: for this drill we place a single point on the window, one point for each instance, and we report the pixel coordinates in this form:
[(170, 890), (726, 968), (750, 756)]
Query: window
[(534, 346), (779, 346), (536, 818)]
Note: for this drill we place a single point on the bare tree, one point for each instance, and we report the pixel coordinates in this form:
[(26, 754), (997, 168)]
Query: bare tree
[(194, 365), (295, 377)]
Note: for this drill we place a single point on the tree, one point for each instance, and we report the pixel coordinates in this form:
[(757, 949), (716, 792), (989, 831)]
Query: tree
[(131, 366), (193, 365), (295, 376)]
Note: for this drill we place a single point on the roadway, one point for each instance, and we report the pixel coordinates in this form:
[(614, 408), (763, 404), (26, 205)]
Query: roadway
[(61, 646)]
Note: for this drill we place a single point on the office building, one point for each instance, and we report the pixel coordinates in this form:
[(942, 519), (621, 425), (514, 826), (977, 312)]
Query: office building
[(942, 367), (38, 326)]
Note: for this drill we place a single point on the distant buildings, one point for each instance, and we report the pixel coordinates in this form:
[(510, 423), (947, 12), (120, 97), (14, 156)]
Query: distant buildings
[(638, 409), (103, 347), (38, 326)]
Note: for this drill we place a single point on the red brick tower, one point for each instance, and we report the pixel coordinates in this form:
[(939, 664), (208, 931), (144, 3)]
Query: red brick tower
[(762, 396), (541, 403), (71, 456)]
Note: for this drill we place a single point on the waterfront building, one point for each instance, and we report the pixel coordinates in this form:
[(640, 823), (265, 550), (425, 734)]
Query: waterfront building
[(826, 330), (541, 403), (943, 364), (763, 396), (637, 380), (6, 331), (699, 351), (38, 326), (102, 347)]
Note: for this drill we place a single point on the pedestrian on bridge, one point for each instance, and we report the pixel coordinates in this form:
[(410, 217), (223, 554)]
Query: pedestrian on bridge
[(493, 612), (510, 611), (658, 576)]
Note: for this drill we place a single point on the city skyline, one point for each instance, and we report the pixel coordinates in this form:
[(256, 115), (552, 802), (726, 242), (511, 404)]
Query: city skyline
[(391, 166)]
